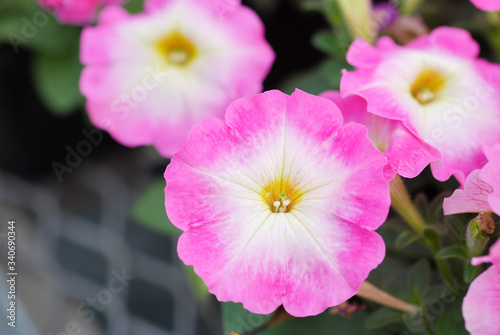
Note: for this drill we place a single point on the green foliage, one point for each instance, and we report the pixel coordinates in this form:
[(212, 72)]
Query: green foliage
[(56, 68), (56, 78), (331, 44), (134, 6), (324, 324), (198, 287), (382, 317), (405, 239), (149, 210), (419, 280), (237, 318), (323, 77), (452, 252), (450, 321)]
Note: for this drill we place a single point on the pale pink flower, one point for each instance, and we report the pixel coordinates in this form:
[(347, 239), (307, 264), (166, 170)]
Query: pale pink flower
[(279, 203), (487, 5), (481, 191), (406, 154), (481, 305), (491, 175), (78, 12), (438, 88), (150, 77), (473, 198)]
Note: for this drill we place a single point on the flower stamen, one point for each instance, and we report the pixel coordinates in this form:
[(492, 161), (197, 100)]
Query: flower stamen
[(427, 85), (177, 49), (281, 195)]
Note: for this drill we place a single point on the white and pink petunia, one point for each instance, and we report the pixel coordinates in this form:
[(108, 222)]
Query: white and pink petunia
[(482, 303), (77, 12), (487, 5), (406, 154), (149, 78), (438, 88), (279, 203), (481, 190)]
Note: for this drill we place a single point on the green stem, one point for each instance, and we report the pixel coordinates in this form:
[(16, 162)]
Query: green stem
[(401, 202)]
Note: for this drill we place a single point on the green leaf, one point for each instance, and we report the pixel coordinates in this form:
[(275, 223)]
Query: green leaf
[(197, 284), (457, 228), (134, 6), (334, 44), (434, 293), (149, 210), (312, 5), (30, 27), (325, 76), (324, 324), (449, 321), (435, 209), (471, 272), (452, 252), (419, 279), (56, 79), (237, 318), (325, 41), (383, 317), (421, 203), (405, 239)]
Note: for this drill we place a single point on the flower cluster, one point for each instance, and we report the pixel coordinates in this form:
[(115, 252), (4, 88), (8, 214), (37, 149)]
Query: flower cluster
[(279, 196)]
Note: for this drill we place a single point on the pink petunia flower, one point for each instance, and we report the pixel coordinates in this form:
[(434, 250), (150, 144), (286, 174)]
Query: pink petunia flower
[(490, 174), (481, 191), (487, 5), (77, 12), (279, 203), (149, 78), (438, 88), (482, 302), (406, 154), (473, 198)]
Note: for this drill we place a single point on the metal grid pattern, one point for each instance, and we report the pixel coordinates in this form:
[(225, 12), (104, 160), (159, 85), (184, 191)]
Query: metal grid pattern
[(73, 238)]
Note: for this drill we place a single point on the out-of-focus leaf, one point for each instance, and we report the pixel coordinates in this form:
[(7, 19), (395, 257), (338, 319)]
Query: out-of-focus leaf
[(149, 210), (134, 6), (452, 252), (31, 27), (456, 227), (325, 76), (471, 272), (238, 319), (421, 203), (197, 284), (405, 239), (394, 286), (419, 279), (383, 317), (324, 324), (56, 79), (334, 44), (312, 5), (448, 317), (434, 293), (325, 42), (435, 209)]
